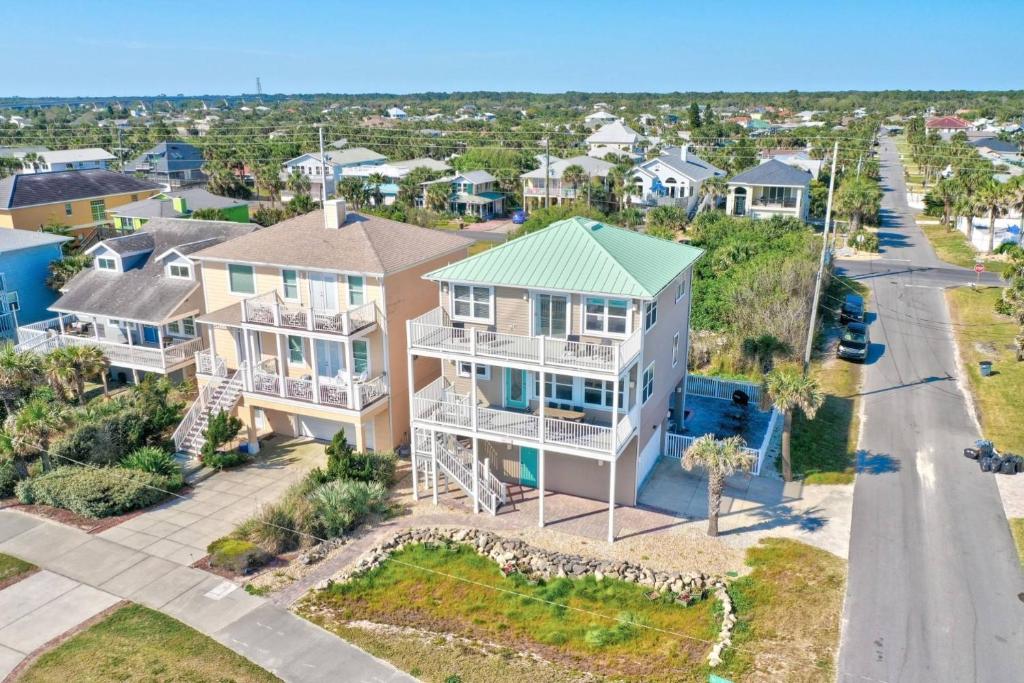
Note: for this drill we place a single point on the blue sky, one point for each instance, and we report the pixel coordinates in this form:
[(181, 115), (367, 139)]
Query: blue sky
[(105, 47)]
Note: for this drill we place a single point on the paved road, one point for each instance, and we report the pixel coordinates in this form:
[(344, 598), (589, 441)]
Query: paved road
[(934, 579)]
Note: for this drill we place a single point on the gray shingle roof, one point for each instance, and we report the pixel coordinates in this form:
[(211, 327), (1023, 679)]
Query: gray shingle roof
[(996, 145), (694, 167), (168, 157), (195, 198), (772, 172), (13, 240), (144, 293), (30, 189)]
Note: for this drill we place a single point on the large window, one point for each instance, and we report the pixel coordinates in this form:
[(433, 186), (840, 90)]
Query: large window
[(675, 349), (99, 210), (647, 383), (601, 393), (551, 315), (296, 350), (356, 295), (290, 284), (776, 195), (360, 356), (471, 302), (241, 279), (650, 314), (680, 289), (184, 327), (606, 316), (106, 263), (556, 388)]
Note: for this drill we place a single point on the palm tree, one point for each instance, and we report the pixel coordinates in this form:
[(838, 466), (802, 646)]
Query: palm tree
[(789, 389), (375, 180), (990, 198), (857, 197), (575, 177), (947, 191), (1015, 197), (438, 197), (298, 182), (61, 271), (32, 160), (59, 370), (712, 189), (34, 425), (18, 370), (721, 459), (88, 362), (268, 180), (9, 452), (353, 191)]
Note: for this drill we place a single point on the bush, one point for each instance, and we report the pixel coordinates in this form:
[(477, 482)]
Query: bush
[(274, 529), (340, 505), (102, 492), (153, 460), (8, 478), (220, 429), (863, 240), (223, 461), (236, 554), (343, 463)]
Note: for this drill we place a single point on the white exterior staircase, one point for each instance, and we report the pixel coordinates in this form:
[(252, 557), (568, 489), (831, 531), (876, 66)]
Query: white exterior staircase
[(221, 393), (455, 461)]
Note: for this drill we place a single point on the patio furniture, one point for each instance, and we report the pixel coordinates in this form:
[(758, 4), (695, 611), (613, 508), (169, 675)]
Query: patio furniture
[(566, 415)]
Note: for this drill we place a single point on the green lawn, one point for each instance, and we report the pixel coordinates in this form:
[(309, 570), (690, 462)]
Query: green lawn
[(983, 334), (11, 568), (138, 644), (790, 607), (952, 247), (1017, 529)]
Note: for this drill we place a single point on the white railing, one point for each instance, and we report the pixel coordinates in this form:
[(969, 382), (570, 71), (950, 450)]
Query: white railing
[(301, 389), (435, 403), (145, 357), (179, 353), (456, 461), (578, 434), (713, 387), (434, 331), (371, 390), (508, 423), (266, 383), (43, 328), (194, 414), (268, 309), (208, 364), (628, 424), (676, 445), (766, 442)]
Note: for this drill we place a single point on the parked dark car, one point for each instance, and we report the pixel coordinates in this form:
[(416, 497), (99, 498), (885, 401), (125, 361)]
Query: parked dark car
[(854, 343), (852, 309)]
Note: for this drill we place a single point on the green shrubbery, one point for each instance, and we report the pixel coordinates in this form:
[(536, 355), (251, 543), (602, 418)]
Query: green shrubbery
[(344, 463), (221, 429), (863, 240), (95, 492), (153, 460), (8, 478), (341, 504), (236, 554)]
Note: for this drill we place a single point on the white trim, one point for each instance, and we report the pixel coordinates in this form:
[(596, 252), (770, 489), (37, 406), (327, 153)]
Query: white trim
[(675, 349), (470, 318), (643, 384), (188, 271), (611, 335), (533, 294), (288, 355), (648, 308), (284, 291), (485, 375), (242, 294)]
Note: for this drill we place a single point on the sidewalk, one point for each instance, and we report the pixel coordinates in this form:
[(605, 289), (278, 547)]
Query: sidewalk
[(102, 571)]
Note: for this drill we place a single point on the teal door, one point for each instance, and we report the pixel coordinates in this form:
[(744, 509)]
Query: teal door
[(528, 466), (515, 389)]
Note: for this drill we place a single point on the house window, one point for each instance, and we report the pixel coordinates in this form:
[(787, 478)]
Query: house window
[(296, 352), (680, 290), (650, 314), (355, 290), (648, 383), (290, 284), (241, 279), (99, 210), (675, 349), (471, 302), (360, 356), (13, 302), (606, 316), (601, 393), (106, 264), (482, 371), (180, 271), (173, 327), (556, 388), (188, 326), (68, 209)]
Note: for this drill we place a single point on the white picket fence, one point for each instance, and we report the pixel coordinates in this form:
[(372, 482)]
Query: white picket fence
[(712, 387)]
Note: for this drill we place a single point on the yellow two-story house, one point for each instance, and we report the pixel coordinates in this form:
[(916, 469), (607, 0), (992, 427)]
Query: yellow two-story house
[(306, 326), (80, 199)]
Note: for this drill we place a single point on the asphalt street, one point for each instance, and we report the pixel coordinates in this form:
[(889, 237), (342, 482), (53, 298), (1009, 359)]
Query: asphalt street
[(935, 592)]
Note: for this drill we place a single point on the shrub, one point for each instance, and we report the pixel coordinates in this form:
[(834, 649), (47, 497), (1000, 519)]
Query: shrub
[(343, 463), (236, 554), (153, 460), (8, 478), (223, 461), (101, 492), (340, 505), (274, 529), (863, 240), (220, 429)]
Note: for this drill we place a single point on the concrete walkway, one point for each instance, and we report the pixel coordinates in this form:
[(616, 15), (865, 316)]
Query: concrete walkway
[(85, 574)]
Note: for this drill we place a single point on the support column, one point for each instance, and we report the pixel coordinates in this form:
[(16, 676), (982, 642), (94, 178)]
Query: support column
[(360, 438), (415, 466), (252, 436), (475, 470), (611, 501), (60, 322), (433, 461), (540, 489), (350, 369), (282, 362), (315, 372)]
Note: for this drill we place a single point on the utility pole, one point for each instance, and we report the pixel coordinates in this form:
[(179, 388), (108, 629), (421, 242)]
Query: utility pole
[(547, 174), (323, 173), (120, 151), (821, 263)]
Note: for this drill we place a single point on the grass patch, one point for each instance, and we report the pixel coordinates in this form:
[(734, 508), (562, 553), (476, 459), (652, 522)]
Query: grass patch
[(952, 247), (983, 334), (825, 448), (481, 246), (11, 568), (137, 644), (789, 610), (1017, 531)]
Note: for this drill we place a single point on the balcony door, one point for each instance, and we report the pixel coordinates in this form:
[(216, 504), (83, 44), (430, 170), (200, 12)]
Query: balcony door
[(515, 389), (323, 291), (551, 315), (330, 360)]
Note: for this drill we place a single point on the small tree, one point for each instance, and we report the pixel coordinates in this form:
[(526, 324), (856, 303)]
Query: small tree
[(438, 197), (339, 456), (721, 459), (789, 389), (221, 428)]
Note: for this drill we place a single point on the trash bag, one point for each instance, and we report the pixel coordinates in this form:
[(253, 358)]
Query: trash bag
[(984, 447), (971, 453), (985, 463), (1008, 466)]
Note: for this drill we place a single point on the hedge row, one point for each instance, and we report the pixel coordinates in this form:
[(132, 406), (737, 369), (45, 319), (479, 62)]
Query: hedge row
[(92, 492)]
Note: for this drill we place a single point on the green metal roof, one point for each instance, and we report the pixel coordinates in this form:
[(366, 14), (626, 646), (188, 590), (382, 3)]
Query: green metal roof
[(578, 255)]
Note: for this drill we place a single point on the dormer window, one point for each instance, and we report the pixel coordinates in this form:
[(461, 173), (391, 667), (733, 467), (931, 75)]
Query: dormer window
[(179, 271), (104, 263)]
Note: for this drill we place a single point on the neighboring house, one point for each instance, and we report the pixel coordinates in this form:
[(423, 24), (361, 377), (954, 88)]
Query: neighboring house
[(998, 150), (313, 166), (800, 160), (536, 191), (139, 300), (770, 189), (176, 164), (178, 204), (19, 152), (306, 326), (69, 160), (599, 118), (947, 125), (672, 179), (79, 199), (397, 113), (25, 259), (393, 172), (563, 360), (615, 138), (474, 193)]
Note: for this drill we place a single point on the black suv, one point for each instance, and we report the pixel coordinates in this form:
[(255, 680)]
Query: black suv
[(852, 309), (854, 343)]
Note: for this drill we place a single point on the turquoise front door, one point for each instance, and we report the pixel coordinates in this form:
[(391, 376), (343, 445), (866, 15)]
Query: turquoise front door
[(515, 389), (528, 466)]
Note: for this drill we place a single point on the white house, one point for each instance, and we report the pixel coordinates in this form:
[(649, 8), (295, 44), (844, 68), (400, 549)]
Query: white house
[(397, 113), (312, 166), (770, 189), (70, 160), (599, 118), (536, 191), (672, 179), (615, 138)]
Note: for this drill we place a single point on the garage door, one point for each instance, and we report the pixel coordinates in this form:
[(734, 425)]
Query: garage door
[(648, 457), (324, 430)]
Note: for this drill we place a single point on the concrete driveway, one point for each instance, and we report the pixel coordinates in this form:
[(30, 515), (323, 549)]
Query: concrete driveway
[(180, 529)]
